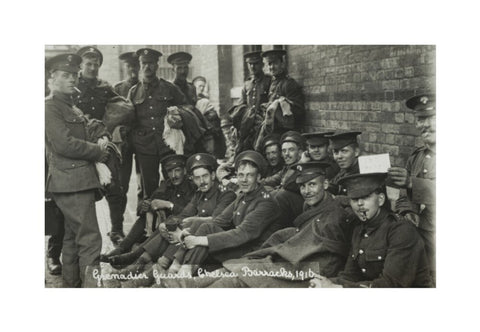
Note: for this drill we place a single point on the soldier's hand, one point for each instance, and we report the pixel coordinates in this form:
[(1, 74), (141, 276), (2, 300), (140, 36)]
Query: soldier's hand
[(400, 177), (187, 222), (162, 228), (322, 282), (103, 157), (413, 218), (145, 205)]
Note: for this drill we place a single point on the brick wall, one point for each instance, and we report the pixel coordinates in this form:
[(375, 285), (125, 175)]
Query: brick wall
[(364, 88)]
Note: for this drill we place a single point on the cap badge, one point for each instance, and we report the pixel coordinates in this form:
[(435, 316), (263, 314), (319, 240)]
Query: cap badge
[(299, 168), (424, 100), (69, 58), (198, 157), (91, 49), (145, 52)]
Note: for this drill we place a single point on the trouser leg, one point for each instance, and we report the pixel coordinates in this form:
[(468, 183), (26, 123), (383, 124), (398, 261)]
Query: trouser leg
[(116, 196), (150, 175), (199, 254), (82, 241), (136, 235)]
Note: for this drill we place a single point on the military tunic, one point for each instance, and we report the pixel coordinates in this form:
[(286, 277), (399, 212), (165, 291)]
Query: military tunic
[(285, 86), (151, 101), (179, 195), (93, 97), (123, 87), (248, 115), (420, 199), (386, 252), (72, 180), (242, 227)]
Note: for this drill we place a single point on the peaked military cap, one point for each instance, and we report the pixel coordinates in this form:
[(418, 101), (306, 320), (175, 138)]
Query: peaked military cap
[(310, 170), (340, 139), (422, 105), (90, 50), (173, 161), (254, 157), (64, 62), (148, 54), (253, 57), (129, 57), (201, 160), (361, 185), (274, 54), (270, 140), (292, 136), (179, 57), (317, 138)]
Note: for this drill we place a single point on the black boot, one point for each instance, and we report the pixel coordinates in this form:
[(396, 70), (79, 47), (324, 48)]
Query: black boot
[(105, 258), (54, 266), (123, 260)]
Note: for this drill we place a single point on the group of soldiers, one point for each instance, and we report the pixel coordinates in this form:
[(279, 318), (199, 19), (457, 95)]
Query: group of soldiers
[(247, 191)]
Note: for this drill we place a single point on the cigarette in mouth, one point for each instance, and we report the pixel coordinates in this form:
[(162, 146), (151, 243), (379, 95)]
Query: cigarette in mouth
[(76, 89)]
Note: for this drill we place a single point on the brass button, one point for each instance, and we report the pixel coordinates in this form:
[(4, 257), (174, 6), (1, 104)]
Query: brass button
[(178, 195), (203, 211), (151, 107), (425, 170), (238, 213), (149, 97), (93, 107), (379, 257), (364, 270), (366, 235), (360, 251)]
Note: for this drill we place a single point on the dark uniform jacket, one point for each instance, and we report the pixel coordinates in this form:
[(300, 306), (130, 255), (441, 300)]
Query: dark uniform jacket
[(93, 97), (245, 222), (421, 166), (271, 179), (151, 101), (188, 89), (209, 204), (285, 86), (179, 195), (386, 252), (248, 115), (339, 190), (320, 241), (284, 179), (122, 87), (70, 156)]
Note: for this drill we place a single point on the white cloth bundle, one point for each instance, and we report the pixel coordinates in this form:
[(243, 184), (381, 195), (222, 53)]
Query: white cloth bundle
[(104, 174), (173, 138)]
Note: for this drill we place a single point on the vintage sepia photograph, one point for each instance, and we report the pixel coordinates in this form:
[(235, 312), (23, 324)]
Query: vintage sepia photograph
[(240, 166)]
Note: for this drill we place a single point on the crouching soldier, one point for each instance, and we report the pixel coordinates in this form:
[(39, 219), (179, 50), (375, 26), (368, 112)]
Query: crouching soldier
[(386, 251)]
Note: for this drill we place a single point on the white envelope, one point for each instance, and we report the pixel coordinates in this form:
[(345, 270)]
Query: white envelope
[(377, 163)]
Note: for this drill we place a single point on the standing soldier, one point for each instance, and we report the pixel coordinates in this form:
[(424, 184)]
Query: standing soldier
[(72, 178), (285, 109), (418, 178), (248, 114), (151, 97), (92, 100), (131, 65)]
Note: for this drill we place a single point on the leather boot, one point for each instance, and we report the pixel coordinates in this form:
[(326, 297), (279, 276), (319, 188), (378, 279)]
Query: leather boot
[(54, 266), (123, 260), (104, 258)]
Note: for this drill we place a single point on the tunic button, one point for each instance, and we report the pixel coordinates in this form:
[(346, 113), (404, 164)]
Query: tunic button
[(360, 251), (152, 118), (366, 235), (243, 202), (205, 199), (178, 195), (153, 128), (203, 211), (425, 170), (91, 98), (297, 230), (379, 257), (151, 107), (73, 165), (149, 97), (364, 270), (93, 107), (238, 213), (353, 256), (428, 156)]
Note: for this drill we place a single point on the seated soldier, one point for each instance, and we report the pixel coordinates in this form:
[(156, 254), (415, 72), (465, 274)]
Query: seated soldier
[(242, 227), (317, 150), (386, 251), (169, 198), (209, 200), (319, 241), (272, 152)]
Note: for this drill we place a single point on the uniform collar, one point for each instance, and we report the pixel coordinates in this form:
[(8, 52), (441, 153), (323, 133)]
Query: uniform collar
[(93, 82), (209, 194), (325, 198), (373, 224), (152, 84), (66, 98), (253, 194)]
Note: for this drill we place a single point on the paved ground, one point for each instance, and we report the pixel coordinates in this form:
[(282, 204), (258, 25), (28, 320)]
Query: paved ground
[(103, 216)]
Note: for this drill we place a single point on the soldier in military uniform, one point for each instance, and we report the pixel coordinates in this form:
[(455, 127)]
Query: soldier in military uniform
[(418, 178), (170, 197), (386, 251), (209, 200), (242, 227), (346, 151), (317, 150), (92, 99), (151, 97), (72, 178), (285, 109), (272, 152), (248, 114), (131, 66)]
